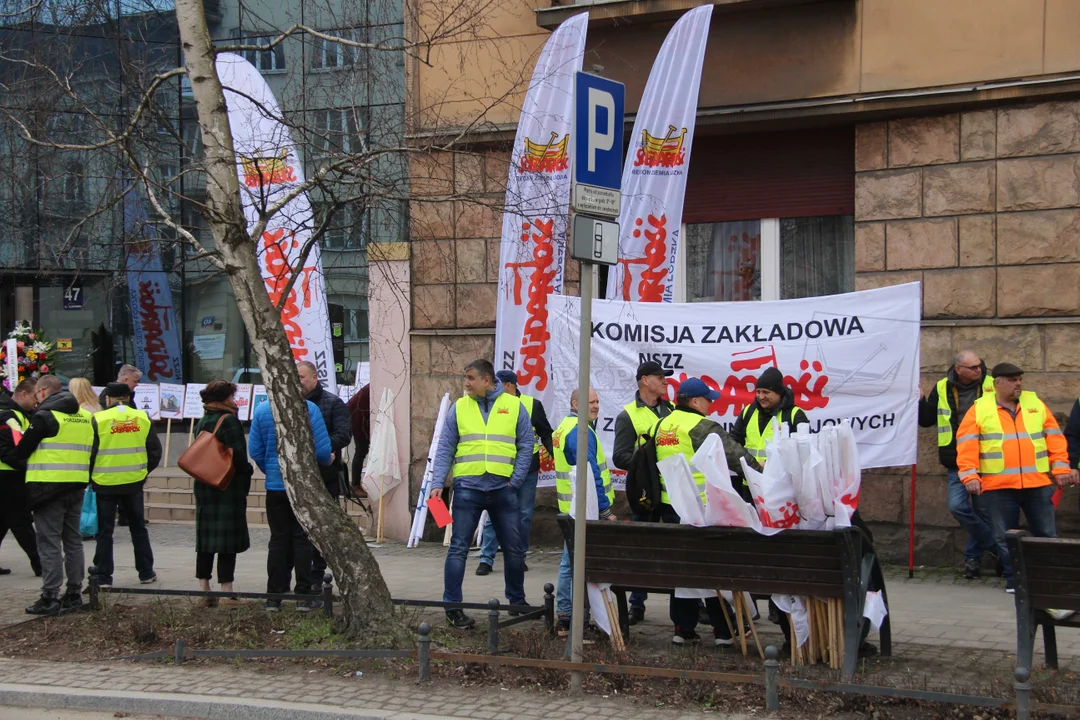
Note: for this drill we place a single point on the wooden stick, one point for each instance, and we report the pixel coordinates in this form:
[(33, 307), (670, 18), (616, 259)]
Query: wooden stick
[(168, 436), (832, 634), (379, 533), (737, 597), (723, 609), (753, 629), (617, 640), (191, 431)]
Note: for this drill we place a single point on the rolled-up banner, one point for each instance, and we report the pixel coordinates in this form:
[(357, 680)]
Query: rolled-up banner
[(269, 168), (654, 176), (153, 316), (537, 205)]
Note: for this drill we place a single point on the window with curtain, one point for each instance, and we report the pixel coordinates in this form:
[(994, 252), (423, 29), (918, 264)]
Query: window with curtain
[(817, 256), (723, 261)]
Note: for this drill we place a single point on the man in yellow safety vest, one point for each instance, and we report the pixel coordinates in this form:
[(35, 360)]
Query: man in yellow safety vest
[(683, 432), (126, 450), (15, 412), (754, 427), (944, 408), (485, 447), (564, 442), (55, 450), (637, 418), (527, 494)]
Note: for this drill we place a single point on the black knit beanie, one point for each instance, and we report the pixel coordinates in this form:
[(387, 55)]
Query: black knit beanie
[(771, 379)]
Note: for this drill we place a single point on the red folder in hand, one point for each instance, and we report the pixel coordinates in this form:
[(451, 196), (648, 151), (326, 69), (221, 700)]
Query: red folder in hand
[(438, 510)]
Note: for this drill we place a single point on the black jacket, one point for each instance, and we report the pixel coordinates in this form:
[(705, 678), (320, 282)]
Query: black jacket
[(9, 409), (625, 436), (336, 417), (543, 432), (928, 414), (1072, 435), (153, 458), (787, 402), (733, 450), (43, 426)]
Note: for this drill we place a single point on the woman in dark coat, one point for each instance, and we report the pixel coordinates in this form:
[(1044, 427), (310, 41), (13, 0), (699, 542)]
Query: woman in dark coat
[(221, 515)]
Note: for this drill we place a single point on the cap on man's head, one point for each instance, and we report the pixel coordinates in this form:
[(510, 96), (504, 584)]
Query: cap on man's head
[(771, 379), (117, 390), (651, 367), (695, 388), (507, 376), (1006, 370)]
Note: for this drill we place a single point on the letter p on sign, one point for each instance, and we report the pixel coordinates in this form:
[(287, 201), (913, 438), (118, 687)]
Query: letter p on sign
[(597, 138)]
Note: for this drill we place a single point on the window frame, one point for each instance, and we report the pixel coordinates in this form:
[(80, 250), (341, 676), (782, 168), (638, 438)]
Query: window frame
[(344, 56), (279, 64)]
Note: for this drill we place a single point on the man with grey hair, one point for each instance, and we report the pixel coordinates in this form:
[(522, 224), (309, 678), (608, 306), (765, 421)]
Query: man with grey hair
[(129, 375), (945, 407)]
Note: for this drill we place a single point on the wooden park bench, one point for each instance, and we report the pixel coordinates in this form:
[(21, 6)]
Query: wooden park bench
[(1047, 576), (656, 558)]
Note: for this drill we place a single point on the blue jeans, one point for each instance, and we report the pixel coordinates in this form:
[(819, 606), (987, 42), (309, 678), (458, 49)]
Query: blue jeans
[(565, 596), (970, 511), (502, 507), (1004, 507), (489, 545)]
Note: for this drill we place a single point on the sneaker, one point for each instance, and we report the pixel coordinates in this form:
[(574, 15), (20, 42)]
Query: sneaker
[(308, 605), (723, 642), (867, 649), (483, 569), (208, 602), (1010, 586), (684, 637), (44, 606), (272, 605), (457, 618), (1060, 614), (637, 614), (564, 627), (971, 568), (147, 580), (72, 602), (5, 571)]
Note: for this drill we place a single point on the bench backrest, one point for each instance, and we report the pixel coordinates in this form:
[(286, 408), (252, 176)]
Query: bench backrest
[(661, 556), (1050, 568)]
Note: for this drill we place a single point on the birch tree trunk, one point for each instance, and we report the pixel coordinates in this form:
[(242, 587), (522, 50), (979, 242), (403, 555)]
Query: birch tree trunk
[(368, 610)]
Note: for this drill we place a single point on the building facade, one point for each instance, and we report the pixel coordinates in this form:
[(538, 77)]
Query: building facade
[(840, 145)]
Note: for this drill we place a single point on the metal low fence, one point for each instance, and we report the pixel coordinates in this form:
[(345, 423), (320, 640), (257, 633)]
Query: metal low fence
[(769, 679)]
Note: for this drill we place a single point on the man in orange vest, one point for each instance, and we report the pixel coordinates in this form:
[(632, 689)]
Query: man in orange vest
[(1007, 448)]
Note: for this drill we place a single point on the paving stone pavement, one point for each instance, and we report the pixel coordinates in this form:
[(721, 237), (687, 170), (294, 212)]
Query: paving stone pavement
[(936, 616)]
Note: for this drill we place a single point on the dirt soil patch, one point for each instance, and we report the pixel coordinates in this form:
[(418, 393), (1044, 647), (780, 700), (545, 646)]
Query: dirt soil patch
[(125, 629)]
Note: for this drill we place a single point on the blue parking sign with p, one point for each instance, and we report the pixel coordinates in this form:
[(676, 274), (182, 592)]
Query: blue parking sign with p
[(598, 131)]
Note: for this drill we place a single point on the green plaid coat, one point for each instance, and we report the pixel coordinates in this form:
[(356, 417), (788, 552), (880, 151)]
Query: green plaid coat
[(221, 516)]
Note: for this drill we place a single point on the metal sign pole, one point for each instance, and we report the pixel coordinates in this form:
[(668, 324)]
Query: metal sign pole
[(577, 626)]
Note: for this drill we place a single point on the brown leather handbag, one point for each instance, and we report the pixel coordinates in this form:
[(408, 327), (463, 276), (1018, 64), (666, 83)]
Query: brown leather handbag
[(208, 460)]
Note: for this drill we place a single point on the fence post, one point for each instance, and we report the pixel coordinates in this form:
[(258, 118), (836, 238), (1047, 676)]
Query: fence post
[(772, 673), (328, 595), (1023, 693), (178, 654), (493, 626), (423, 651), (549, 608), (95, 588)]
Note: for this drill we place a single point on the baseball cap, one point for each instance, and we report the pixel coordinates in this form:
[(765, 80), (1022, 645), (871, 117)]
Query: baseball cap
[(651, 367), (507, 376), (696, 387), (1005, 370)]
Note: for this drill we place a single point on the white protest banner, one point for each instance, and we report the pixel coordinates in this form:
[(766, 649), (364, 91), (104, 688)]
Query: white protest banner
[(363, 375), (171, 406), (654, 176), (269, 170), (97, 389), (147, 399), (193, 408), (537, 206), (243, 401), (843, 356)]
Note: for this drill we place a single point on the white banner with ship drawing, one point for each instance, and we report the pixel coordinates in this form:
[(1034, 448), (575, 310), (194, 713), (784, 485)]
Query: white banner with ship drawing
[(843, 356)]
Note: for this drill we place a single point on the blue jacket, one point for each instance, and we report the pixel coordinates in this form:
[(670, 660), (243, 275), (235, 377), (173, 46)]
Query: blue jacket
[(570, 452), (448, 442), (262, 443)]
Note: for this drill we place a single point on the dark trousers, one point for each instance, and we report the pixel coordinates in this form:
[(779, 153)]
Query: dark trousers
[(16, 517), (289, 550), (132, 503), (1004, 507), (226, 566), (667, 515), (318, 563), (684, 615)]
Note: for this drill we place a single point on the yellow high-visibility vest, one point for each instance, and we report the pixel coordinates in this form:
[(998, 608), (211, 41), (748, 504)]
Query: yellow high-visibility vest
[(564, 480), (756, 439), (65, 457), (944, 412), (23, 422), (121, 453), (486, 448), (673, 438), (992, 435)]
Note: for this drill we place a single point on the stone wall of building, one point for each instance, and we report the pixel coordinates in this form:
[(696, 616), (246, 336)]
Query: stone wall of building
[(984, 209)]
